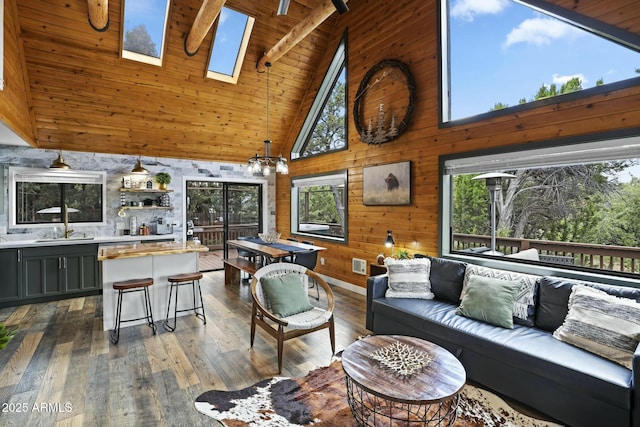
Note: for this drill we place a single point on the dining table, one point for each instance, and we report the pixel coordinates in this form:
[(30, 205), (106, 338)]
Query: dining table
[(276, 251)]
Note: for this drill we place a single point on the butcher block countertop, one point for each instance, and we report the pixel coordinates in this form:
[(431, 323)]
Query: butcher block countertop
[(136, 250)]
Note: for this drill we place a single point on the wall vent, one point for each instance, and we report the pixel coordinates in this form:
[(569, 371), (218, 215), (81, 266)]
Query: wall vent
[(359, 266)]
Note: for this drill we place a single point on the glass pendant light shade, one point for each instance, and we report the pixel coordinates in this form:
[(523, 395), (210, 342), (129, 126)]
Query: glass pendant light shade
[(263, 164)]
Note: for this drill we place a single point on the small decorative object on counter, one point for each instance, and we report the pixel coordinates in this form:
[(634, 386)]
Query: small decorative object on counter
[(123, 199), (149, 184), (163, 178), (126, 182), (380, 259), (133, 225), (165, 201)]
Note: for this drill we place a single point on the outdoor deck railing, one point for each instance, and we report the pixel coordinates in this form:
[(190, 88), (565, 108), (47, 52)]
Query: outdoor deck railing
[(604, 257), (213, 235)]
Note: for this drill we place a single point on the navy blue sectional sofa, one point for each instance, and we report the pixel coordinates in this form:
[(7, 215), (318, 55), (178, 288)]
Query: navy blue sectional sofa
[(525, 363)]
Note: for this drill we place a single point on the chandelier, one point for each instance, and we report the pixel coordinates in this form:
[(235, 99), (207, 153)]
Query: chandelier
[(263, 164)]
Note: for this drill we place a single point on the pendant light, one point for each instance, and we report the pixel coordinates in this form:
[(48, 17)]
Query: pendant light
[(262, 164), (139, 169), (59, 162)]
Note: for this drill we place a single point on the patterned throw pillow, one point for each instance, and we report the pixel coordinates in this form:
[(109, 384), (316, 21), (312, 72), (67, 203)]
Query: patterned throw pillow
[(603, 324), (524, 309), (409, 278)]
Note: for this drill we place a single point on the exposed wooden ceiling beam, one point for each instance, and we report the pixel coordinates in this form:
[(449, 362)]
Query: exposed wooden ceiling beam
[(98, 14), (207, 14), (297, 34)]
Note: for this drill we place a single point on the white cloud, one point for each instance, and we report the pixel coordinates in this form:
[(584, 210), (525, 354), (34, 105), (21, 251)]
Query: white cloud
[(224, 15), (541, 31), (560, 80), (468, 9)]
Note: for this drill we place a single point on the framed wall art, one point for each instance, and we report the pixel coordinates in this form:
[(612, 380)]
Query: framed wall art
[(388, 184)]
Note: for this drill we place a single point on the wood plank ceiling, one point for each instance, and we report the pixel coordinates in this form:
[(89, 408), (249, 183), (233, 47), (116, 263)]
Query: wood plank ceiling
[(85, 97)]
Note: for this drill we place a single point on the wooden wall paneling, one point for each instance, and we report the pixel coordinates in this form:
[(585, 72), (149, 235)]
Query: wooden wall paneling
[(374, 36), (15, 105)]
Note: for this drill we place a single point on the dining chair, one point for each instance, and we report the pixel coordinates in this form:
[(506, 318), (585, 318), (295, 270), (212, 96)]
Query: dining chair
[(290, 258), (281, 304), (308, 259), (251, 256)]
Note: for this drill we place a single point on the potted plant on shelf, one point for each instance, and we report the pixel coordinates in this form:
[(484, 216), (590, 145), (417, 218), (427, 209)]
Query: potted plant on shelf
[(163, 178)]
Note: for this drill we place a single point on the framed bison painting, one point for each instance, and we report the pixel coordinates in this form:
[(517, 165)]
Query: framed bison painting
[(388, 184)]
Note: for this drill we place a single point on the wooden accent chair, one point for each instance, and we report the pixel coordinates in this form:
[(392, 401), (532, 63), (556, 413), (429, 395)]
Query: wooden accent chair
[(318, 315)]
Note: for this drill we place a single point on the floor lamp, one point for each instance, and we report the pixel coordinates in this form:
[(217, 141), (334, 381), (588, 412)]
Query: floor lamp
[(494, 185)]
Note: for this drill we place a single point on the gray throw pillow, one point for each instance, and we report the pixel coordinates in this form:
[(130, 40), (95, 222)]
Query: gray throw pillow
[(553, 299), (409, 278), (603, 324), (286, 293), (490, 300)]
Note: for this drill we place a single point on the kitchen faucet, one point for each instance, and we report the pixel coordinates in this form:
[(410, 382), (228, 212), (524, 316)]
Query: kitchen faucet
[(67, 231)]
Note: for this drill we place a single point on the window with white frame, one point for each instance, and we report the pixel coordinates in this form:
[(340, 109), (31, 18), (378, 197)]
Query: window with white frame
[(572, 206), (42, 197), (503, 54), (144, 30), (319, 206), (229, 46)]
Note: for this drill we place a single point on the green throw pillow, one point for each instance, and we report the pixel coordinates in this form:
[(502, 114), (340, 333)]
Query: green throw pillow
[(490, 300), (286, 294)]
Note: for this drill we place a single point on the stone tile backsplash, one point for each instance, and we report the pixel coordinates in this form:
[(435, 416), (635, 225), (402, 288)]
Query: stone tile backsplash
[(117, 167)]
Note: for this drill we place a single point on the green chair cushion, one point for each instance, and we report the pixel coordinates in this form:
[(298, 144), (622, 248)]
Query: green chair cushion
[(286, 294)]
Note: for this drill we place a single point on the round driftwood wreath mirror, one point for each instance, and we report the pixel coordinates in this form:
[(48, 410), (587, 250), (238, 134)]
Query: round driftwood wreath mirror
[(384, 102)]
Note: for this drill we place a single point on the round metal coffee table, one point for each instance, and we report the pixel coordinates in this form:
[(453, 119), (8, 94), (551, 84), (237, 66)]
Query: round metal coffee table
[(399, 380)]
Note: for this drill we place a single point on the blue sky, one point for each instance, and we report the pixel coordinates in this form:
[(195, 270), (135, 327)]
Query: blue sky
[(227, 42), (151, 13), (502, 51)]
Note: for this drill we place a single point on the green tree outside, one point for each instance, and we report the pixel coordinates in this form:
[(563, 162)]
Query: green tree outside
[(138, 40)]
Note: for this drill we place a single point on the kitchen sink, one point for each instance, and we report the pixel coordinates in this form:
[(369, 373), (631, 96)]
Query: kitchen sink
[(62, 239)]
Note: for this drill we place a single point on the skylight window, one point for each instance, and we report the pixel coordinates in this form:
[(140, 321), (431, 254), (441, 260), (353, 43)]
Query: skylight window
[(229, 45), (144, 29)]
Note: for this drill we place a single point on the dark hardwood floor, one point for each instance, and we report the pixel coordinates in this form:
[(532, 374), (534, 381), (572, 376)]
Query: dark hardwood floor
[(62, 370)]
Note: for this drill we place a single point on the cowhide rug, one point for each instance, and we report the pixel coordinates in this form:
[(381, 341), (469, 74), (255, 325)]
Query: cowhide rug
[(319, 399)]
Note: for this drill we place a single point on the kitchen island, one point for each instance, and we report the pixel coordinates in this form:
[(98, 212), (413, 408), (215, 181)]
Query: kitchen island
[(143, 260)]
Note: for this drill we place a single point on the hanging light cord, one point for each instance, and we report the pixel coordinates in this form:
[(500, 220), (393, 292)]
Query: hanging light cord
[(268, 65)]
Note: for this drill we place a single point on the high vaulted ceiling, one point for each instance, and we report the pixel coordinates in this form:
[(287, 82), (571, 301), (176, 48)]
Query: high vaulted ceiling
[(84, 97)]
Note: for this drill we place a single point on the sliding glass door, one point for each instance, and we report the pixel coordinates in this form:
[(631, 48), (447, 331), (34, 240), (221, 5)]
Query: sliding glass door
[(222, 211)]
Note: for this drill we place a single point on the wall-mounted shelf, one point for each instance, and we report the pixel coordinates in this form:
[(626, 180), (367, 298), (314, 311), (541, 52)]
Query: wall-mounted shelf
[(163, 201), (144, 190), (146, 207)]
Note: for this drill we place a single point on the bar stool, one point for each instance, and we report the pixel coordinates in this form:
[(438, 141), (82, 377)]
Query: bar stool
[(129, 286), (179, 280)]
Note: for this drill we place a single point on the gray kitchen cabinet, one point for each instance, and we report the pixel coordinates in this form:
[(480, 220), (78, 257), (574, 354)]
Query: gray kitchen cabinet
[(59, 270), (10, 289), (81, 272)]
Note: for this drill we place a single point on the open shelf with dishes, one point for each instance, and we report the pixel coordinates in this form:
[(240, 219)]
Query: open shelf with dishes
[(161, 202)]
